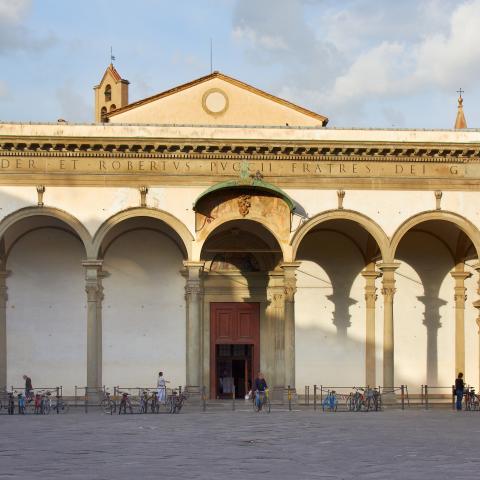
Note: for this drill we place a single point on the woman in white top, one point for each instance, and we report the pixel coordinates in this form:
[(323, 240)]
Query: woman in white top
[(162, 388)]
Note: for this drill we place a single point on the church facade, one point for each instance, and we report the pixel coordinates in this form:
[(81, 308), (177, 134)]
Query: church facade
[(215, 230)]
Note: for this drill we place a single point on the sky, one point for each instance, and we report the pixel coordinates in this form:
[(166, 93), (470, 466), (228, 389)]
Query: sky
[(362, 63)]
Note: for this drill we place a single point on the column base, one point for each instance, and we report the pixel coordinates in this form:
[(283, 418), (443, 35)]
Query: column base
[(193, 392)]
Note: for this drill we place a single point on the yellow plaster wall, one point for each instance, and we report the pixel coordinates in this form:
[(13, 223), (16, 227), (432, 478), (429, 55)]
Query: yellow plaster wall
[(244, 108)]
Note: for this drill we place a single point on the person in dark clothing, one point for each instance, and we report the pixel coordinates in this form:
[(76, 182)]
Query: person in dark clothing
[(260, 385), (259, 388), (28, 386), (459, 388)]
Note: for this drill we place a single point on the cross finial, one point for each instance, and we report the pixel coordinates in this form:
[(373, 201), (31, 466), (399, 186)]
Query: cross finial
[(460, 91), (112, 57)]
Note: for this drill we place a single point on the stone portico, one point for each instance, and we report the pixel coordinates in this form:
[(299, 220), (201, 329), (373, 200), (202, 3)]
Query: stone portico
[(249, 236)]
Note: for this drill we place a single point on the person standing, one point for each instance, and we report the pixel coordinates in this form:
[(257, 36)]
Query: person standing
[(161, 388), (459, 389)]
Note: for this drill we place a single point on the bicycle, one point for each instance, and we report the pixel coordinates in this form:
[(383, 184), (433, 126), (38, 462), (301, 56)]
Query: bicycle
[(108, 404), (330, 402), (154, 403), (57, 405), (261, 401), (355, 400), (11, 403), (373, 399), (21, 403), (143, 407), (471, 399), (39, 403), (175, 402), (124, 402)]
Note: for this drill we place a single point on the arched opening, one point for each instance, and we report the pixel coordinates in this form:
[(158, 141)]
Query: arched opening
[(46, 326), (113, 107), (143, 310), (104, 115), (436, 256), (243, 309), (108, 93), (333, 334)]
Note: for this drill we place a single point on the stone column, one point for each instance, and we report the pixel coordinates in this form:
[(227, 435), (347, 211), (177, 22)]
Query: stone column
[(370, 345), (276, 319), (460, 297), (193, 298), (3, 328), (476, 304), (388, 292), (94, 291), (290, 287)]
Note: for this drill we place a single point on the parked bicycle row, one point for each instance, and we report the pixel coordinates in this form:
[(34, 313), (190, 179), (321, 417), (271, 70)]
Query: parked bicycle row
[(40, 402), (148, 400), (359, 400)]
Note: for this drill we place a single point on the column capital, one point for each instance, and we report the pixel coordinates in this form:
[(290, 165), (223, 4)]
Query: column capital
[(461, 276), (287, 266), (193, 264), (92, 263), (370, 274), (290, 280), (388, 266)]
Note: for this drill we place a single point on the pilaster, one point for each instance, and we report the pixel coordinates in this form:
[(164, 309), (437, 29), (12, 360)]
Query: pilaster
[(194, 300), (460, 298), (290, 288), (94, 290), (388, 292), (3, 328), (476, 304), (370, 343)]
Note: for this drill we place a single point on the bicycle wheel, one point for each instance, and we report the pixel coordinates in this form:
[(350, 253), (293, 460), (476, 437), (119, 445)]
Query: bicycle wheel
[(268, 406), (63, 407), (349, 403)]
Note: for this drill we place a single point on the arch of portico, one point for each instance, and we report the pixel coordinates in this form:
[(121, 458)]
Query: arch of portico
[(168, 219), (141, 251), (42, 253), (334, 250), (65, 218), (365, 222), (437, 253), (243, 266)]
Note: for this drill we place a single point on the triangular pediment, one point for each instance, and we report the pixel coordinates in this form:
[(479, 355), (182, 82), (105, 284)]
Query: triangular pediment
[(216, 99)]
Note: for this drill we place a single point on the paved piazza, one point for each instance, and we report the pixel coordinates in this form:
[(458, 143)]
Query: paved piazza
[(435, 444)]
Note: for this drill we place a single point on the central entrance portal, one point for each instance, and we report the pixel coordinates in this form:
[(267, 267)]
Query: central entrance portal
[(234, 348)]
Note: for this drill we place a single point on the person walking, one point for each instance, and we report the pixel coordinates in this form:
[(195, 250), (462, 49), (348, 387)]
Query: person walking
[(28, 387), (459, 389)]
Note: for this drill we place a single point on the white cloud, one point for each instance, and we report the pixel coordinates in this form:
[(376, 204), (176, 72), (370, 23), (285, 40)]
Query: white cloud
[(13, 11), (342, 55), (14, 35)]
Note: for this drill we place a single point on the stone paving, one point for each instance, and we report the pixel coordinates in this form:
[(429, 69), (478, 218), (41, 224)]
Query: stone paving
[(221, 444)]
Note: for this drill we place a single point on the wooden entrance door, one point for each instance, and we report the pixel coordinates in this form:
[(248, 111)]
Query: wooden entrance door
[(234, 324)]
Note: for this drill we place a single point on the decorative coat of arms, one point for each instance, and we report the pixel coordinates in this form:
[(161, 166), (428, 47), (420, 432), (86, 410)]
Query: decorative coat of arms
[(244, 204)]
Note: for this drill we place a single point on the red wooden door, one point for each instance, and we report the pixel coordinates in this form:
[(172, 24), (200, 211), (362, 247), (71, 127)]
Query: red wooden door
[(234, 324)]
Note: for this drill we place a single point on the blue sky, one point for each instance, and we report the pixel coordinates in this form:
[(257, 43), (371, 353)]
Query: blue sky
[(362, 63)]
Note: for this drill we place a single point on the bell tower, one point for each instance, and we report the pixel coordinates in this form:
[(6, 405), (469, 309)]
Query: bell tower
[(110, 94)]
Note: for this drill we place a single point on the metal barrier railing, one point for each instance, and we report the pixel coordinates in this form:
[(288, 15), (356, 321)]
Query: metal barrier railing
[(58, 390), (341, 396), (440, 395)]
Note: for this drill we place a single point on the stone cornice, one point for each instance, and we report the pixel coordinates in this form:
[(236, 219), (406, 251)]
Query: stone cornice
[(235, 150)]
